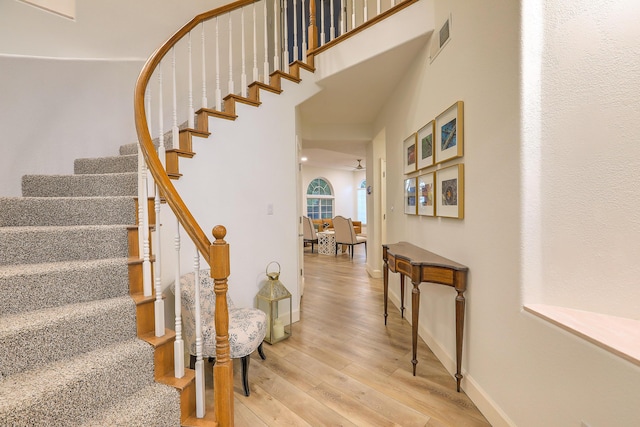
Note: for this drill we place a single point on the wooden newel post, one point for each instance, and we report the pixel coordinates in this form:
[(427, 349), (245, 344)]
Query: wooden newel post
[(313, 30), (223, 369)]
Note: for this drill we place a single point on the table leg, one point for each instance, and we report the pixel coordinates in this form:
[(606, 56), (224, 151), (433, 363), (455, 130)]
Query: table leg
[(460, 303), (385, 282), (402, 295), (415, 308)]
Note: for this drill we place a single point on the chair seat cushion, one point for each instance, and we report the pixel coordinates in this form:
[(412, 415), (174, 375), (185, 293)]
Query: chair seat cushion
[(247, 329)]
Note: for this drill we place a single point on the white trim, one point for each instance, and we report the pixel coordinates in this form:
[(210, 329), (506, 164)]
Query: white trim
[(64, 8)]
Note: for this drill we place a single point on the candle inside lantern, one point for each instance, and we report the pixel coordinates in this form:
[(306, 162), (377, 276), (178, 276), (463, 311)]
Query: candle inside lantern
[(278, 329)]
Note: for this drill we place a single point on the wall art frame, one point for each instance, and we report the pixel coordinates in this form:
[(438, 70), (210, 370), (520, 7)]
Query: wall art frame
[(449, 133), (425, 188), (410, 205), (424, 141), (409, 154), (450, 192)]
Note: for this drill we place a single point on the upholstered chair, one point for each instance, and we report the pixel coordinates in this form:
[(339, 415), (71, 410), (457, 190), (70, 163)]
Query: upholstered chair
[(346, 234), (247, 326), (310, 235)]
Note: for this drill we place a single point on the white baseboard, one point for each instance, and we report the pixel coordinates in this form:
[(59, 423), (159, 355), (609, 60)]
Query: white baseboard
[(376, 274)]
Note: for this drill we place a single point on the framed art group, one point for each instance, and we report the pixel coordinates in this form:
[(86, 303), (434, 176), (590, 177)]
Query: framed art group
[(436, 192)]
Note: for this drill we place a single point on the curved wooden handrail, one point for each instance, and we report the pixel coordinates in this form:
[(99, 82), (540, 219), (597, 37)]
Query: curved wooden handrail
[(158, 172)]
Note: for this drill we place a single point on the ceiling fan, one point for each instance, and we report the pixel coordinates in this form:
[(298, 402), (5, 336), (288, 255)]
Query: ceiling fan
[(359, 167)]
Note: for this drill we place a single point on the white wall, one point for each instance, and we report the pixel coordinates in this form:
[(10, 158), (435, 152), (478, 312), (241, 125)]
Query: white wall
[(245, 166), (102, 28), (55, 110), (66, 86), (518, 369), (590, 157)]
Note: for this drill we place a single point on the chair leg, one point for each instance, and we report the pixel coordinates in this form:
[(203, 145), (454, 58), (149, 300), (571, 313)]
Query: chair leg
[(261, 352), (245, 373)]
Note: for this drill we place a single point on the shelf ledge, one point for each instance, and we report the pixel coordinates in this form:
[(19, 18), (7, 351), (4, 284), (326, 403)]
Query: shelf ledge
[(618, 335)]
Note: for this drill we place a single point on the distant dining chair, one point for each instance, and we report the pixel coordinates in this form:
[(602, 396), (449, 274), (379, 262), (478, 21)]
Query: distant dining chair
[(310, 235), (346, 234), (247, 326)]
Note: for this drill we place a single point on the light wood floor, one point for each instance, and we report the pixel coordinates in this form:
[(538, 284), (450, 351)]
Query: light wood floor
[(343, 367)]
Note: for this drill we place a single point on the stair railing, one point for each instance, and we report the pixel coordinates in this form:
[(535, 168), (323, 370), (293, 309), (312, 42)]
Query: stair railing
[(272, 46)]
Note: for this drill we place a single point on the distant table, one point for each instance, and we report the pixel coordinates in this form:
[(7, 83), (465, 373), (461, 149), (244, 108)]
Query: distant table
[(326, 242), (424, 266)]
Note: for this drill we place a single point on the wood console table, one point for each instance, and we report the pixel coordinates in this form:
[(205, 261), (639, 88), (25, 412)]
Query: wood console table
[(424, 266)]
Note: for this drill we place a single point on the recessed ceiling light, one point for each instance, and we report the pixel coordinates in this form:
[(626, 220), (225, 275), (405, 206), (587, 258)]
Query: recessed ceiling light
[(303, 159)]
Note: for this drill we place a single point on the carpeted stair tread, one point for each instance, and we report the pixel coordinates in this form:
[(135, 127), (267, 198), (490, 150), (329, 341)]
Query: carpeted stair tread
[(128, 149), (26, 211), (26, 287), (30, 245), (155, 405), (87, 185), (27, 339), (67, 392), (69, 355), (101, 165)]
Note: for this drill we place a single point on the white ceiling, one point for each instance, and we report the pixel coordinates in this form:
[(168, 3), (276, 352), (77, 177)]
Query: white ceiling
[(354, 96)]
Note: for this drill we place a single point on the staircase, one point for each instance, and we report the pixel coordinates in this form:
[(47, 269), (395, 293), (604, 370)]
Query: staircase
[(69, 348)]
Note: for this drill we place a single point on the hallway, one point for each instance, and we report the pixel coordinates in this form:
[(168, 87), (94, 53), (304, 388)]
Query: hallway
[(341, 366)]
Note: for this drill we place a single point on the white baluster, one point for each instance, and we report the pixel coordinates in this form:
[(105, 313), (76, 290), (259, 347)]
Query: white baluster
[(276, 58), (287, 56), (231, 85), (366, 13), (218, 92), (175, 132), (199, 362), (266, 47), (191, 117), (295, 31), (140, 202), (378, 8), (303, 14), (243, 77), (157, 270), (343, 17), (178, 344), (205, 103), (322, 41), (146, 256), (255, 46), (353, 14), (332, 14)]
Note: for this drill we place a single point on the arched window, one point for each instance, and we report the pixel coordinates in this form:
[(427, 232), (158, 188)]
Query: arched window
[(319, 199), (362, 202)]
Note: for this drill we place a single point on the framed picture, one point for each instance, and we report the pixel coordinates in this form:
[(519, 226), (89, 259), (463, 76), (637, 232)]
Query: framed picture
[(410, 196), (449, 133), (450, 192), (409, 154), (426, 194), (425, 145)]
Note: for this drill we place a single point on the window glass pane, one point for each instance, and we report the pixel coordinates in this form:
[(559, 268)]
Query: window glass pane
[(319, 208), (319, 187), (362, 205)]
